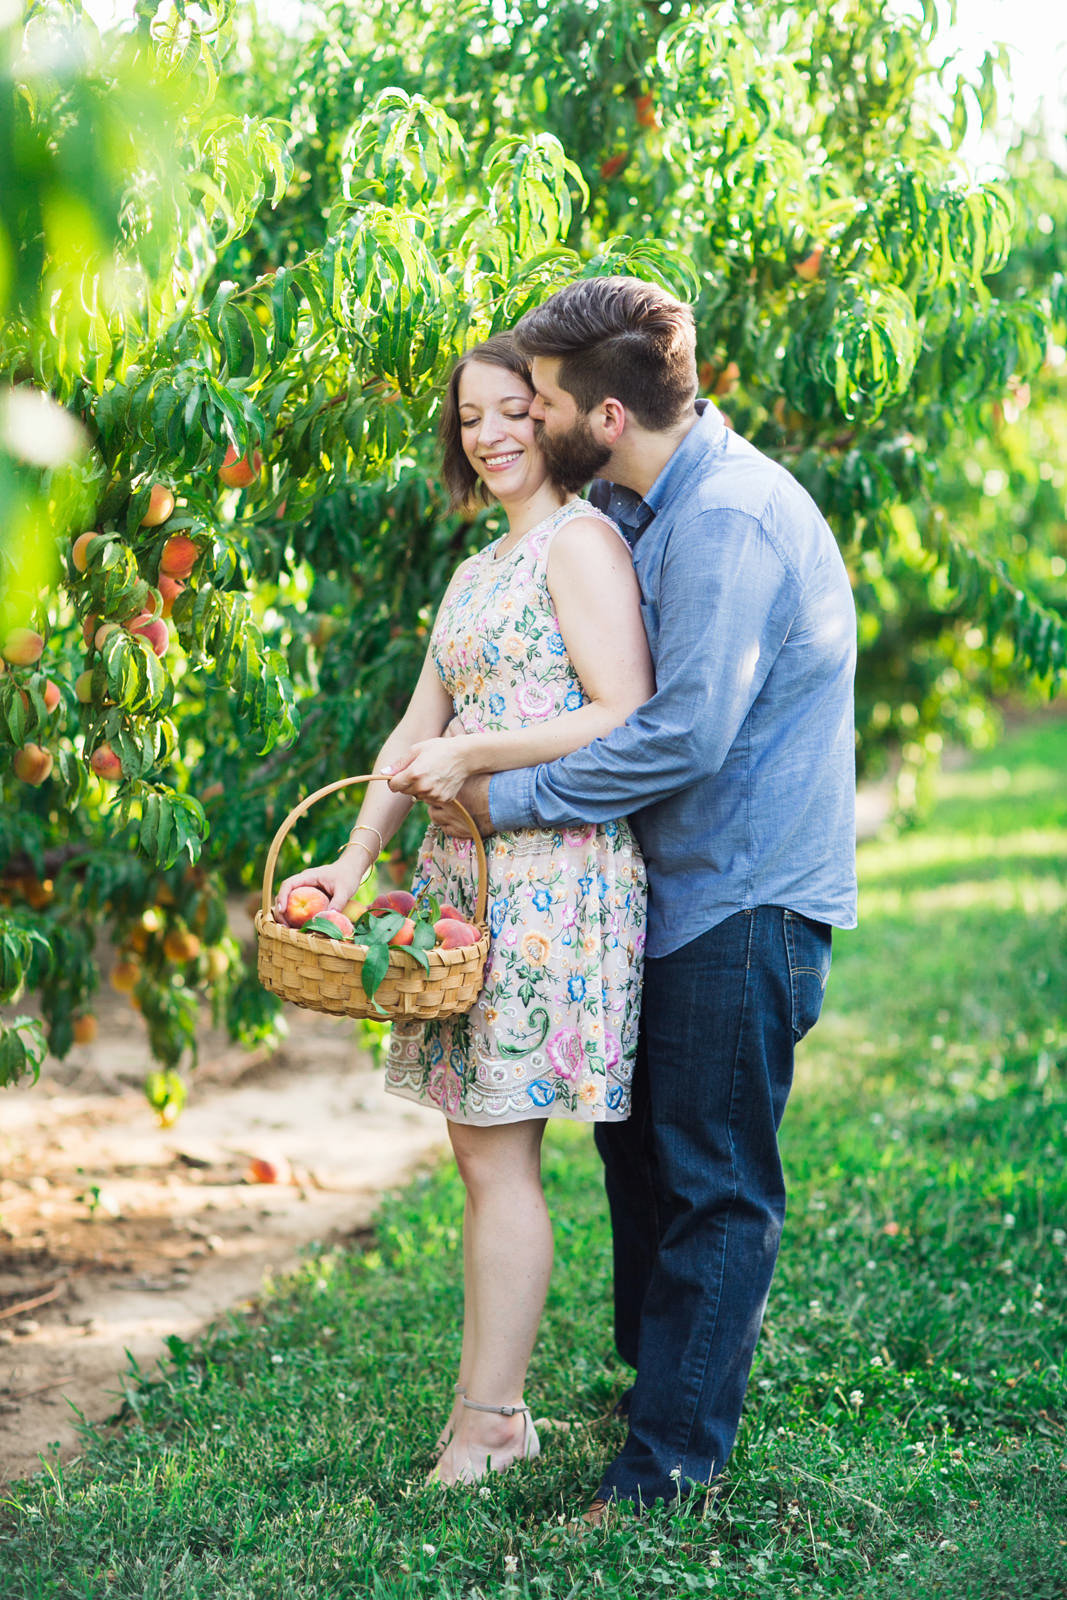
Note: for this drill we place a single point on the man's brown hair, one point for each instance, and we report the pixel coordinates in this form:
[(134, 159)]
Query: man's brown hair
[(620, 337)]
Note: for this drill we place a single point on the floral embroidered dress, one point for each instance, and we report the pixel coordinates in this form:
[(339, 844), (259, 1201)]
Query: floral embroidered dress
[(554, 1031)]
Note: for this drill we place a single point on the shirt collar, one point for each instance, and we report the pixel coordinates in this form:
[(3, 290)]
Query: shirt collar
[(634, 513)]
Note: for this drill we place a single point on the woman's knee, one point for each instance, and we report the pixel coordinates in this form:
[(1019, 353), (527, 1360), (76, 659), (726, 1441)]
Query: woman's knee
[(489, 1158)]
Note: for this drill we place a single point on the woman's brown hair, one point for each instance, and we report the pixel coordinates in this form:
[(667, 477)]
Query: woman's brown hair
[(464, 486)]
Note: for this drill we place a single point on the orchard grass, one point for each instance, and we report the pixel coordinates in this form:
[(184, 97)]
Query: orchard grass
[(904, 1434)]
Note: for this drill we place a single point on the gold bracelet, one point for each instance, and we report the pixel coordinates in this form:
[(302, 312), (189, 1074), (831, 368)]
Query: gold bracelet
[(364, 827)]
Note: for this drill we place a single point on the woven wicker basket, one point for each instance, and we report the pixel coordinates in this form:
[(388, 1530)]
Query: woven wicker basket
[(324, 974)]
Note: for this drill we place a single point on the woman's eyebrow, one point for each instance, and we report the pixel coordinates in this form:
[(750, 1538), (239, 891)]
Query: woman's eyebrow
[(508, 400)]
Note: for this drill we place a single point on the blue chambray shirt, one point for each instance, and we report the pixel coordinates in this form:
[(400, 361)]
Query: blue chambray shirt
[(739, 774)]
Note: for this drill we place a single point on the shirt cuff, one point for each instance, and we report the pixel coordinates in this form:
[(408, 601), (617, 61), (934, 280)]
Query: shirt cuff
[(511, 802)]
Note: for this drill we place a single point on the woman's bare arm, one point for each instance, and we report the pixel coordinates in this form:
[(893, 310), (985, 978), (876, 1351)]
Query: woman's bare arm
[(597, 600), (382, 811)]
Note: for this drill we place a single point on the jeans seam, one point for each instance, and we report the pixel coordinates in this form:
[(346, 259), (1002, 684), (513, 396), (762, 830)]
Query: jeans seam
[(791, 967), (733, 1196)]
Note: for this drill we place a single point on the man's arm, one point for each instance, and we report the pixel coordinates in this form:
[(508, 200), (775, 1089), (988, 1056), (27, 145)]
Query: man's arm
[(725, 605)]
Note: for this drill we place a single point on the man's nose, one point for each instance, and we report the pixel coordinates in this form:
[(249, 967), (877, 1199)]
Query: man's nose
[(537, 410)]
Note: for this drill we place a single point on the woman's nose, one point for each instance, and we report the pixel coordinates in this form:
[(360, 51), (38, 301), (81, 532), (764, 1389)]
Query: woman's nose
[(491, 429)]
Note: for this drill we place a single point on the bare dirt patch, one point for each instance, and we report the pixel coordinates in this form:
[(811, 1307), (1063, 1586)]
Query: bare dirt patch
[(115, 1232)]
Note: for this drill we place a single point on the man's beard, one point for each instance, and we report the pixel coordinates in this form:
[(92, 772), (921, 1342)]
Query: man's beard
[(573, 458)]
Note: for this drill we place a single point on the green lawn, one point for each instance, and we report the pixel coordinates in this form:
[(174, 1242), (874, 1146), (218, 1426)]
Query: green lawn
[(904, 1434)]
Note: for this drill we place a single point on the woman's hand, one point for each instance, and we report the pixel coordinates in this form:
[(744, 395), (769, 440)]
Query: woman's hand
[(436, 769), (339, 880)]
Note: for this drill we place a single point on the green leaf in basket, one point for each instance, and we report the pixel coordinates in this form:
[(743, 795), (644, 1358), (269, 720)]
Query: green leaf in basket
[(419, 955), (380, 930), (423, 938), (320, 925), (375, 966), (430, 908)]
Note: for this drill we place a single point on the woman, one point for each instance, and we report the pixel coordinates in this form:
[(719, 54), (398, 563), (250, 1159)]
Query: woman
[(538, 648)]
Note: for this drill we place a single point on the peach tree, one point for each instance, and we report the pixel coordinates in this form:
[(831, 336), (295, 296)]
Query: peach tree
[(233, 270), (190, 435)]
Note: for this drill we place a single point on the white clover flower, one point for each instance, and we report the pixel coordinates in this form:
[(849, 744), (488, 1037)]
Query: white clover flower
[(1059, 1238), (511, 1563), (876, 1361), (856, 1397), (1008, 1219), (429, 1549), (277, 1361)]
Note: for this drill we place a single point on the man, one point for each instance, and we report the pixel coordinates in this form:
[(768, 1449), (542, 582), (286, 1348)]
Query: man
[(739, 778)]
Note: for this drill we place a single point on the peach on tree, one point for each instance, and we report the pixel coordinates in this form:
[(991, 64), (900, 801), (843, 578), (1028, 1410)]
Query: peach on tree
[(22, 647), (32, 764), (160, 506), (237, 472)]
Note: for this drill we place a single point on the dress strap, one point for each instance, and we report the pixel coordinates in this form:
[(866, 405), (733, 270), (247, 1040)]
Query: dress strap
[(542, 542)]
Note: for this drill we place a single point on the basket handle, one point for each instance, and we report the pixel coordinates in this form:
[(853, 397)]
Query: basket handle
[(343, 783)]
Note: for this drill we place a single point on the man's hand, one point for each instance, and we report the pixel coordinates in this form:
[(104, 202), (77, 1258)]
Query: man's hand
[(475, 796)]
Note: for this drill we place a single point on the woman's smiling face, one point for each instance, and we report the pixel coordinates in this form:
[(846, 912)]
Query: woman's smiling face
[(497, 431)]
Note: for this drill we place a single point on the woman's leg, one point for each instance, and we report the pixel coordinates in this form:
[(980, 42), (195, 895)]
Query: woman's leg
[(507, 1265), (468, 1335)]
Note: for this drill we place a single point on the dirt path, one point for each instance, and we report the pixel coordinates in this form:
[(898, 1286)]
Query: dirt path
[(115, 1232)]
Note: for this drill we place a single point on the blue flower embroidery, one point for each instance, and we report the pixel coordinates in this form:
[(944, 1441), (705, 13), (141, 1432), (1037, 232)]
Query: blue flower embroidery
[(542, 899), (576, 988), (496, 916), (437, 1051), (615, 1097), (491, 654), (541, 1092), (585, 883), (496, 705), (610, 829), (573, 700), (556, 645)]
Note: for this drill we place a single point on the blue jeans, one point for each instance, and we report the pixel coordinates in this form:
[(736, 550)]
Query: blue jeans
[(695, 1187)]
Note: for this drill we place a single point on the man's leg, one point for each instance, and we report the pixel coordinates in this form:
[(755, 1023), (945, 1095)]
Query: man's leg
[(721, 1017), (630, 1180)]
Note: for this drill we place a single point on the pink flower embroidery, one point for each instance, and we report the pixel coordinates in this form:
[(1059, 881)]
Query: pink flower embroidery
[(453, 1092), (578, 835), (534, 700), (566, 1052), (612, 1049)]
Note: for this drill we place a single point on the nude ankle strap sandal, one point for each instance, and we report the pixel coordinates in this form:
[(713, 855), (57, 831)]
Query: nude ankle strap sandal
[(531, 1445)]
